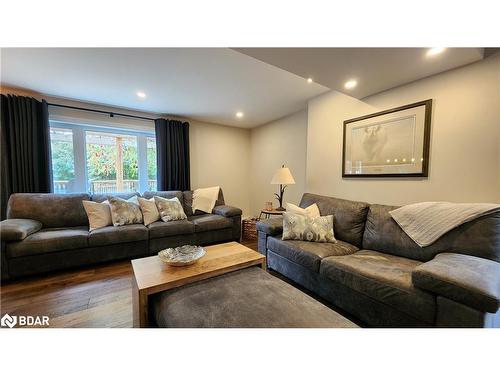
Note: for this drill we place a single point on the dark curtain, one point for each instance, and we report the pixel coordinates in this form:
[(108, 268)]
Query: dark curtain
[(25, 147), (172, 155)]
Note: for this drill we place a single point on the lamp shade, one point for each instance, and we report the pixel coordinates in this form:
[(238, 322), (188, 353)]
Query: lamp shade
[(282, 176)]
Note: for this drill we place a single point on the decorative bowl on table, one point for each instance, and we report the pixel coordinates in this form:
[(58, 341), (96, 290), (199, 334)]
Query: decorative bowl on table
[(182, 255)]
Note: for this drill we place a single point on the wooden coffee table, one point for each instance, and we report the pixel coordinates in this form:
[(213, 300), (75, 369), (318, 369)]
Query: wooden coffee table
[(152, 276)]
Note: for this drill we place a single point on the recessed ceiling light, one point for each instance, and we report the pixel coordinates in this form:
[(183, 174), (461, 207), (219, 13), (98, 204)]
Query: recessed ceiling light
[(141, 94), (239, 114), (435, 51), (350, 84), (309, 80)]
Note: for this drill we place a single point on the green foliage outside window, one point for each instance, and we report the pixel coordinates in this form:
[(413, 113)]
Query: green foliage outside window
[(101, 162), (152, 163), (63, 165)]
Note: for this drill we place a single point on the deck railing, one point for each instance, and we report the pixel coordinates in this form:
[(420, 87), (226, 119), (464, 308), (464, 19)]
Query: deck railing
[(104, 186)]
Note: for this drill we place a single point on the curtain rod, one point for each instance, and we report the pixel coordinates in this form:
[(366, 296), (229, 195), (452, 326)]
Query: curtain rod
[(111, 114)]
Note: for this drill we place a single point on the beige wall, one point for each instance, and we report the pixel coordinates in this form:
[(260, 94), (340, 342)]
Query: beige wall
[(220, 156), (279, 142), (465, 139)]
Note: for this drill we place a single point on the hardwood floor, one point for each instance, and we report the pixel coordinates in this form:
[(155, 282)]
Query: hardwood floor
[(99, 296)]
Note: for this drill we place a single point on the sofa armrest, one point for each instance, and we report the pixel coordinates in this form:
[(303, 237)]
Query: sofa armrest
[(271, 227), (467, 279), (227, 211), (18, 229), (267, 228)]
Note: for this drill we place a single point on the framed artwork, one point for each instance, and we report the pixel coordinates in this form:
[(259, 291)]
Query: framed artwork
[(391, 143)]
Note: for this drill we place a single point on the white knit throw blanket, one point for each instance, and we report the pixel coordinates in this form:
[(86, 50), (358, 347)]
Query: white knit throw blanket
[(426, 222)]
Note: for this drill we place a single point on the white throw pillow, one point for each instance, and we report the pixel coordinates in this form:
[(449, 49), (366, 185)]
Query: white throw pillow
[(134, 199), (311, 211), (204, 199), (149, 210), (99, 214)]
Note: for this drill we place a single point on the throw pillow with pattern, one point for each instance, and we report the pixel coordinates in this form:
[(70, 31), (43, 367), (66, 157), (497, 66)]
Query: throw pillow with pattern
[(305, 228), (170, 209), (124, 212)]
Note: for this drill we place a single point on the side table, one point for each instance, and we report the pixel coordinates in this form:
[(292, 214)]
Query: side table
[(268, 213)]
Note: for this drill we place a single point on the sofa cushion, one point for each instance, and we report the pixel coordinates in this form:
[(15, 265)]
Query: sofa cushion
[(206, 222), (227, 211), (49, 240), (466, 279), (160, 229), (271, 226), (113, 235), (18, 229), (385, 278), (52, 210), (348, 216), (480, 237), (308, 254)]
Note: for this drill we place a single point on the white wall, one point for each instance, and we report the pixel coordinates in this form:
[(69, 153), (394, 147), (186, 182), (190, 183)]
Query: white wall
[(465, 139), (283, 141)]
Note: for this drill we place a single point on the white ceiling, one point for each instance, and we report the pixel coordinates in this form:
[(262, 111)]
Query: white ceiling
[(207, 84), (212, 84), (375, 69)]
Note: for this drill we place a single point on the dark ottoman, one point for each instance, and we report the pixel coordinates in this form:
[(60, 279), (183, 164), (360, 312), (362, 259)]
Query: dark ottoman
[(248, 298)]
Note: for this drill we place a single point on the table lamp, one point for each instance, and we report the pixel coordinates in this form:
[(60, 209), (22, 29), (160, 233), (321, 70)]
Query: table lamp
[(282, 177)]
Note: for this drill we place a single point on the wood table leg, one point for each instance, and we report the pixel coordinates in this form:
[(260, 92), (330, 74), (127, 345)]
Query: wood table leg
[(139, 306)]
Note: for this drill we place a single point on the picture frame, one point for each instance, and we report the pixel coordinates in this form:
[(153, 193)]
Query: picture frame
[(390, 143)]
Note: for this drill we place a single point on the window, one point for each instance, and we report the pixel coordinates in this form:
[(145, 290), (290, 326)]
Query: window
[(63, 161), (151, 163), (101, 160), (112, 162)]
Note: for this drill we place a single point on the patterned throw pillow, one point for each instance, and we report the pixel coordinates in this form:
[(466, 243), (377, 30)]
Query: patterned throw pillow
[(305, 228), (124, 212), (170, 209)]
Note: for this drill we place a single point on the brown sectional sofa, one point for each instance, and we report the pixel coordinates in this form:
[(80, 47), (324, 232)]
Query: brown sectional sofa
[(376, 273), (47, 232)]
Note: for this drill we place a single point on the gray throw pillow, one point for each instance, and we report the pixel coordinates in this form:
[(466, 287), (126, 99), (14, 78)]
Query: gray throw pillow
[(305, 228), (124, 212), (170, 209)]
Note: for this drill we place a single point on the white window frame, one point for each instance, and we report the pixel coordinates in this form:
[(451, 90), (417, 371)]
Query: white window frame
[(80, 150)]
